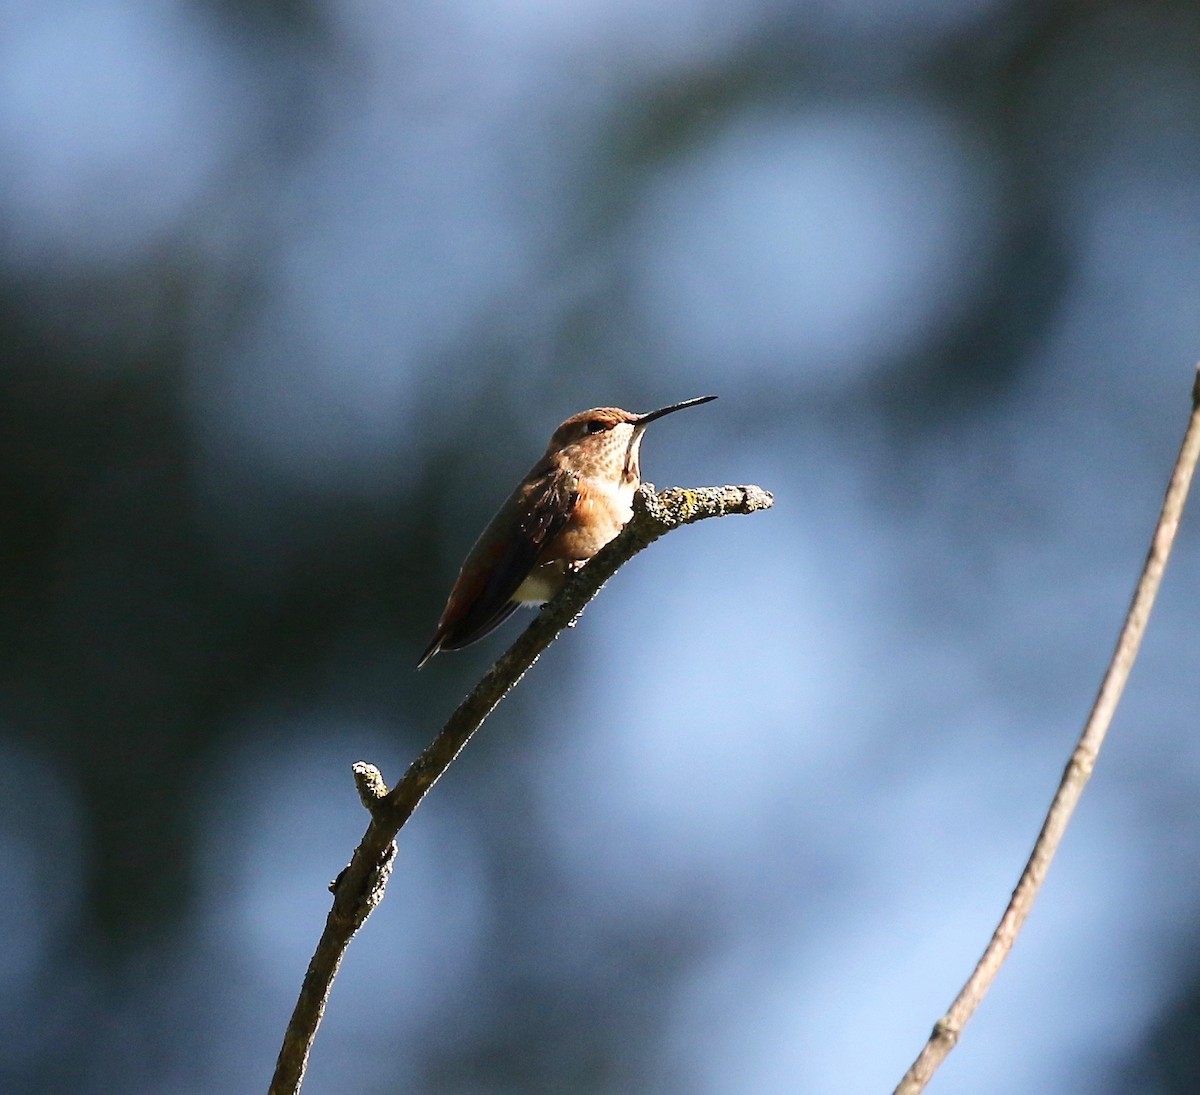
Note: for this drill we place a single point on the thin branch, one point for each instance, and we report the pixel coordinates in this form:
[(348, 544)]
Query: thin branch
[(1075, 776), (360, 887)]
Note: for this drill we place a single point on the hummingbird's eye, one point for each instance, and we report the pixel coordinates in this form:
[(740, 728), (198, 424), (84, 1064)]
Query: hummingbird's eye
[(594, 425)]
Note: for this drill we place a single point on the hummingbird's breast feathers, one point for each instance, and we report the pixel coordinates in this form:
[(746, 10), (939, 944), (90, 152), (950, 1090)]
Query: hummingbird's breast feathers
[(602, 508)]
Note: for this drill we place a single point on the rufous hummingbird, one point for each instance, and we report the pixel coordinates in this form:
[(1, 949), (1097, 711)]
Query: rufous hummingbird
[(574, 500)]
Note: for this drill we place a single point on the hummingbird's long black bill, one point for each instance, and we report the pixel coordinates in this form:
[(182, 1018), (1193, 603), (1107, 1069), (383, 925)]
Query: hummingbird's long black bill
[(646, 419)]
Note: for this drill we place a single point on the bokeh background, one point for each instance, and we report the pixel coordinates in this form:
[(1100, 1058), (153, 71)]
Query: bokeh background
[(290, 295)]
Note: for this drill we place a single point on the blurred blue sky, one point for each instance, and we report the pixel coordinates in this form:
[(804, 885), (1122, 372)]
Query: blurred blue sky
[(748, 826)]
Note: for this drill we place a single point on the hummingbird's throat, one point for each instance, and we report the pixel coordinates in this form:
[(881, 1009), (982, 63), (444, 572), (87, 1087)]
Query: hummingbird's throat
[(631, 473)]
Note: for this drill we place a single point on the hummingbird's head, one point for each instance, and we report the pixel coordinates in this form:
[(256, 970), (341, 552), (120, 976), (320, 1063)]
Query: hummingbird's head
[(605, 441)]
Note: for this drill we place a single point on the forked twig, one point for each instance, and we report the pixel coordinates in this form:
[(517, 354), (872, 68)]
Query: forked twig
[(1079, 768), (360, 887)]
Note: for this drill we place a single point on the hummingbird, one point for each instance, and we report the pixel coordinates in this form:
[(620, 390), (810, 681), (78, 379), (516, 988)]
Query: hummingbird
[(572, 502)]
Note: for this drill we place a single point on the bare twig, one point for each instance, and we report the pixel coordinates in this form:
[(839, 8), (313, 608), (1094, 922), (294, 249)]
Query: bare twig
[(359, 888), (1079, 768)]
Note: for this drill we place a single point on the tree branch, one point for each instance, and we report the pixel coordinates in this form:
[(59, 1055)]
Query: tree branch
[(360, 886), (1075, 776)]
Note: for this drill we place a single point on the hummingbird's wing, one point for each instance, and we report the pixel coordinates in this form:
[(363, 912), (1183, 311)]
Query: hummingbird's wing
[(502, 559)]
